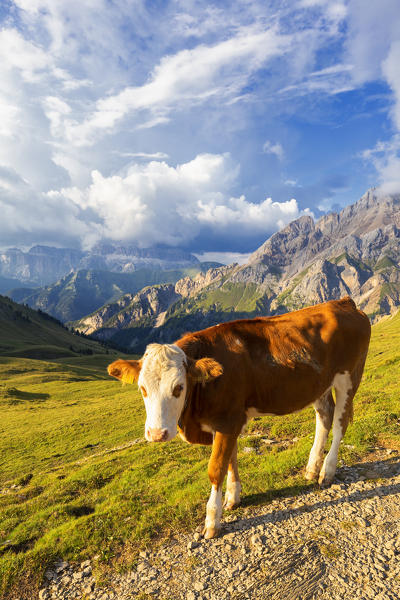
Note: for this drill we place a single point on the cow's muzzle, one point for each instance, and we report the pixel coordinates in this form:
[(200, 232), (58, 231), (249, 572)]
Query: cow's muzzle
[(156, 435)]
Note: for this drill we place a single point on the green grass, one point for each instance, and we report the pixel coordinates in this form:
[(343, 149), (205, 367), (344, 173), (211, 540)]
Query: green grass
[(74, 484), (386, 262), (27, 333), (238, 297)]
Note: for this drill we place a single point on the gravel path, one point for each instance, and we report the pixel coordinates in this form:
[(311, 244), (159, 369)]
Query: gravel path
[(339, 543)]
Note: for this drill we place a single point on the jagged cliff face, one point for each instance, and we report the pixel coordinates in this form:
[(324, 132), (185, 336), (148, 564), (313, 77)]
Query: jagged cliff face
[(43, 265), (189, 286), (127, 258), (147, 308), (356, 252)]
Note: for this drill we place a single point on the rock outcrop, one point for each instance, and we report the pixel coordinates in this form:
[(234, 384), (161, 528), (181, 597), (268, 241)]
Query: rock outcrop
[(145, 308)]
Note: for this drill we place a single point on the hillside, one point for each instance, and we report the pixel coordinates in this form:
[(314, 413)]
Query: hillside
[(78, 480), (27, 333), (81, 292), (355, 252)]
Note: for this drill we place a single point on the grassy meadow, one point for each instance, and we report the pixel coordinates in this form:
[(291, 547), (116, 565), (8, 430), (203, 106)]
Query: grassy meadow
[(77, 479)]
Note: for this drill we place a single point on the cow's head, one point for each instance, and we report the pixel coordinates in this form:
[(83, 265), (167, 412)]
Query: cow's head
[(164, 375)]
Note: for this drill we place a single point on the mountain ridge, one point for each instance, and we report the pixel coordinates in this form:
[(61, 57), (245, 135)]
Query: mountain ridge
[(43, 265), (354, 252), (81, 292)]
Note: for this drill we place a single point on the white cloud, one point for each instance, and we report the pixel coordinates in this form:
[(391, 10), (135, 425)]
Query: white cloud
[(271, 148), (226, 258), (391, 71), (28, 216), (153, 122), (379, 60), (372, 26), (144, 155), (329, 81), (156, 203), (189, 77), (24, 56), (90, 86), (385, 157), (9, 114), (239, 213), (336, 11)]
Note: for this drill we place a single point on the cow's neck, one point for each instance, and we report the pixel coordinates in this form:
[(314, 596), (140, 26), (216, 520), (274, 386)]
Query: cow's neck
[(190, 392)]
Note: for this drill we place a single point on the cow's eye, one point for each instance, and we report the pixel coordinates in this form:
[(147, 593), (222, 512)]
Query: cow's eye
[(177, 390), (144, 393)]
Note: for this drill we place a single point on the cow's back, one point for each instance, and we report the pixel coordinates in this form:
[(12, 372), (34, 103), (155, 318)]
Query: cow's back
[(280, 364)]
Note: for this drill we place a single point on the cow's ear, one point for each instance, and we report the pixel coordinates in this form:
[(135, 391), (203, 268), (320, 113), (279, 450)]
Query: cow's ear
[(126, 371), (204, 370)]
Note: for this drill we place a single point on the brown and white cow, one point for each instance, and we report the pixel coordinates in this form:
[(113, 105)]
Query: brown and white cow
[(210, 383)]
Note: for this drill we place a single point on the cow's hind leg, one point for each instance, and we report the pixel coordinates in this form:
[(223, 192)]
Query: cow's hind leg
[(233, 486), (344, 392), (221, 453), (324, 410)]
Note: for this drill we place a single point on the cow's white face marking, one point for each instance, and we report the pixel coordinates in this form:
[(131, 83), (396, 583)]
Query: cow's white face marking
[(163, 383)]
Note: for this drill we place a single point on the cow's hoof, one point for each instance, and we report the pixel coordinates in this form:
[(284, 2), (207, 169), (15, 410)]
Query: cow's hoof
[(311, 474), (210, 532), (325, 481), (230, 505)]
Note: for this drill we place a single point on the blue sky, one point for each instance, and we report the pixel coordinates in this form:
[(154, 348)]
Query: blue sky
[(195, 124)]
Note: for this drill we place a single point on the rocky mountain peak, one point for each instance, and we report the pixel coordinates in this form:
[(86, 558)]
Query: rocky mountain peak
[(372, 211), (280, 247)]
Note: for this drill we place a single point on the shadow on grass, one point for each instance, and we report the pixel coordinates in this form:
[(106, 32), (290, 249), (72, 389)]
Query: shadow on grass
[(379, 470), (15, 396), (17, 547), (79, 511)]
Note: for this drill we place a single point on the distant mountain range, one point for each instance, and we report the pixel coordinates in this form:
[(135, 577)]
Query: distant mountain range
[(355, 251), (81, 292), (43, 265)]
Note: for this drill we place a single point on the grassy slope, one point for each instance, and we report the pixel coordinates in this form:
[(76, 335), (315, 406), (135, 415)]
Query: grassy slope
[(25, 332), (76, 497)]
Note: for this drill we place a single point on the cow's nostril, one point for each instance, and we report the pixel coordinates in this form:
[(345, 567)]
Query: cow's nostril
[(158, 435)]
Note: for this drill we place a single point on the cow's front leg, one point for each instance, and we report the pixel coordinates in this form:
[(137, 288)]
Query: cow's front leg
[(221, 453), (233, 486)]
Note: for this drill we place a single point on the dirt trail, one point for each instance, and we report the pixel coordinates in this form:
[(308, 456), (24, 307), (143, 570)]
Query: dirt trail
[(339, 543)]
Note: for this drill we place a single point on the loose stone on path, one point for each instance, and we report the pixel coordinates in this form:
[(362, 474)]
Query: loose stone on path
[(342, 542)]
